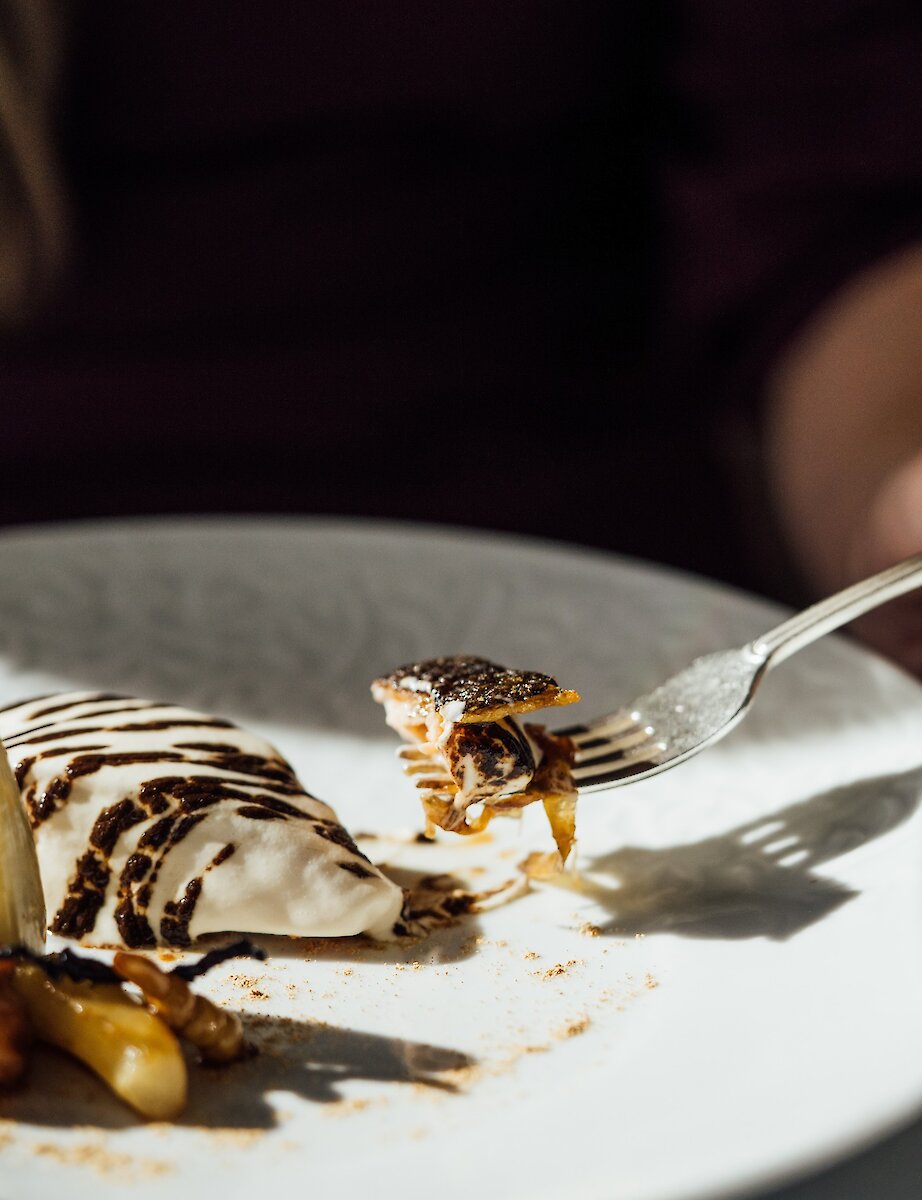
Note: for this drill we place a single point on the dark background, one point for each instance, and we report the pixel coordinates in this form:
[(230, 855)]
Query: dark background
[(518, 265)]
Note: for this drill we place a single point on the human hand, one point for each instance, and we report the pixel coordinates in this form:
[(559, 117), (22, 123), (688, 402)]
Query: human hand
[(890, 531), (844, 444)]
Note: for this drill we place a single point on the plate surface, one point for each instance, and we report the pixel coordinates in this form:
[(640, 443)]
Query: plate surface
[(730, 996)]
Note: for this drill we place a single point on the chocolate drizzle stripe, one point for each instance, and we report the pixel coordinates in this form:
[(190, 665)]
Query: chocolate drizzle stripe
[(131, 909), (356, 869), (208, 747), (48, 801), (27, 738), (157, 834), (22, 769), (58, 735), (333, 832), (223, 855), (62, 720), (86, 890), (141, 726), (57, 751), (58, 789), (93, 698), (177, 915), (110, 710), (113, 712)]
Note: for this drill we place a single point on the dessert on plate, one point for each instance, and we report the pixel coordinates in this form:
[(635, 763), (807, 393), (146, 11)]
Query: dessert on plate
[(468, 748), (152, 824), (155, 824)]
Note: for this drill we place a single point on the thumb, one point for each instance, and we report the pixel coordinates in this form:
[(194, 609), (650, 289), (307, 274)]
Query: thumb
[(892, 528), (890, 532)]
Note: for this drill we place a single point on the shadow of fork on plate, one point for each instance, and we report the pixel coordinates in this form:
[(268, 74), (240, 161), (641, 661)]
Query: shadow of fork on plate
[(757, 880)]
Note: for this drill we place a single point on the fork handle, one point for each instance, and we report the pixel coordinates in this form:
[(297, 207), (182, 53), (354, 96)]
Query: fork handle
[(800, 630)]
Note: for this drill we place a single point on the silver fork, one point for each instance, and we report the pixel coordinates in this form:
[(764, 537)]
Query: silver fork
[(707, 699)]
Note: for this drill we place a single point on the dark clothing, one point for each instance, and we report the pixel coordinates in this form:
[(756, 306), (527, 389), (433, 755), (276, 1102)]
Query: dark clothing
[(498, 264)]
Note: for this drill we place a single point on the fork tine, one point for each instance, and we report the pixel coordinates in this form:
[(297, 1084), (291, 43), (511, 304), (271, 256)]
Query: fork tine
[(616, 775), (602, 750), (584, 736), (615, 759), (636, 735)]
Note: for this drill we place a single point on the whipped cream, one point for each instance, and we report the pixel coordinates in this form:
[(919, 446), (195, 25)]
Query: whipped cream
[(156, 824)]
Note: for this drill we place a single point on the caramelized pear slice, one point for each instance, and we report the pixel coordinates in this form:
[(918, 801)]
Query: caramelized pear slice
[(128, 1047)]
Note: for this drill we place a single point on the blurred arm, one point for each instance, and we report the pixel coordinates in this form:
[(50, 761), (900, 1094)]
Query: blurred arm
[(844, 441), (794, 193)]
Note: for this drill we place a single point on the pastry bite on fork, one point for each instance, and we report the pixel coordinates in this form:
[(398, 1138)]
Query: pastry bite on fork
[(466, 747)]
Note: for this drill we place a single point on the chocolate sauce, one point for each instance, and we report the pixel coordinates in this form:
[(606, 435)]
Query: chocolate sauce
[(174, 924), (131, 910), (22, 770), (47, 803), (51, 737), (223, 855), (99, 698), (356, 869), (144, 726), (208, 747), (60, 751), (157, 834), (86, 891), (335, 833)]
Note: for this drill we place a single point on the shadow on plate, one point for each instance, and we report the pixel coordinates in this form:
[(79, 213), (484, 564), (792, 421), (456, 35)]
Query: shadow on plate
[(307, 1059), (758, 880)]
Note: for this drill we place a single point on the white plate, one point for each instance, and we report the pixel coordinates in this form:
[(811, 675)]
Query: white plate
[(750, 1009)]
